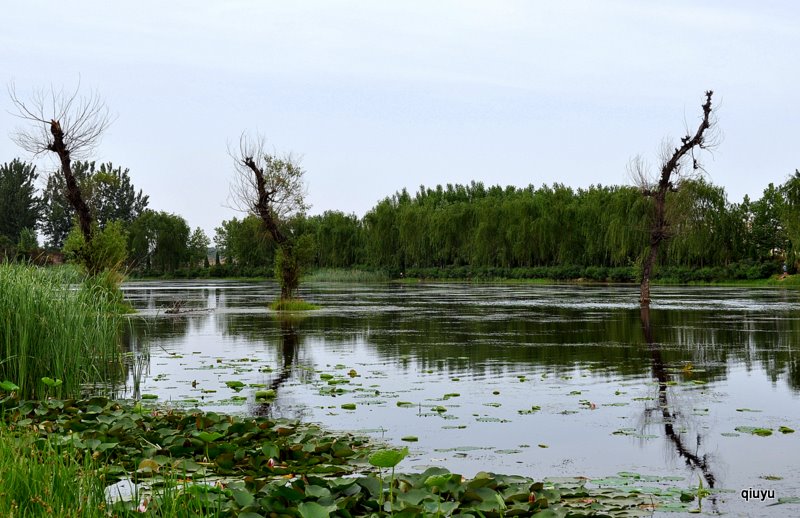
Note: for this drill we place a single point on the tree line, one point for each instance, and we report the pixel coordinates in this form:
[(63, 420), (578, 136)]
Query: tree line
[(468, 229), (458, 229)]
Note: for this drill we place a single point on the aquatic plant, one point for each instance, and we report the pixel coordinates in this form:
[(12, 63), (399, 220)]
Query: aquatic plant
[(292, 305), (51, 327)]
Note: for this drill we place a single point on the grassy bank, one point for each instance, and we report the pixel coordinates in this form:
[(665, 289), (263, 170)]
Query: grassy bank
[(744, 272), (55, 326), (346, 275)]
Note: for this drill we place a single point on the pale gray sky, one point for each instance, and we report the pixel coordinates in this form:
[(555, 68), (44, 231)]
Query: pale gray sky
[(379, 95)]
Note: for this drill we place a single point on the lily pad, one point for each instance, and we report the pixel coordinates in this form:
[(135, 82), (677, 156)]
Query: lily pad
[(761, 432), (387, 458)]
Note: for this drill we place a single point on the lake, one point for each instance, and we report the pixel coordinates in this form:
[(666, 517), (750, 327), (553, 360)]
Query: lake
[(539, 380)]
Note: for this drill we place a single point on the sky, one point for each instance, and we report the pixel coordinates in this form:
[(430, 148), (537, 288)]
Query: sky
[(377, 96)]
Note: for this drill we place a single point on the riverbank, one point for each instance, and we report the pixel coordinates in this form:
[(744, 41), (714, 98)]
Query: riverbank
[(737, 274)]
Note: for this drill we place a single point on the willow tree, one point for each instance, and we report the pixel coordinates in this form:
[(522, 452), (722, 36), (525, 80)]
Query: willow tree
[(272, 188), (676, 165), (69, 125)]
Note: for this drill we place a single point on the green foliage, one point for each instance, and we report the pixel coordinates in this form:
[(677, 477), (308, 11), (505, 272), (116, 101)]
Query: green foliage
[(27, 244), (387, 458), (106, 251), (245, 243), (43, 478), (159, 240), (50, 330), (107, 190), (292, 305), (339, 239), (291, 259), (345, 275), (19, 205), (198, 247)]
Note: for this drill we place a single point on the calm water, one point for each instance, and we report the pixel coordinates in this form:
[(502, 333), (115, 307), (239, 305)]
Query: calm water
[(660, 393)]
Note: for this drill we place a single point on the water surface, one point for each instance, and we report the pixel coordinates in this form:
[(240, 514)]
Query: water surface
[(616, 390)]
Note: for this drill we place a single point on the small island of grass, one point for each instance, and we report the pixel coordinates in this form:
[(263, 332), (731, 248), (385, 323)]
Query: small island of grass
[(292, 305)]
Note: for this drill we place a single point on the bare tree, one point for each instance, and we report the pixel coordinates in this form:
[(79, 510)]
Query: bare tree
[(67, 124), (677, 164), (272, 188)]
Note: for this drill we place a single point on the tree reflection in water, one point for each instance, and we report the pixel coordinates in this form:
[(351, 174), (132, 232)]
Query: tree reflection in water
[(669, 412), (289, 347)]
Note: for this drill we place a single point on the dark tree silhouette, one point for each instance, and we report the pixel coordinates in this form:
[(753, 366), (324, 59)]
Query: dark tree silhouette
[(672, 172), (69, 125), (272, 188)]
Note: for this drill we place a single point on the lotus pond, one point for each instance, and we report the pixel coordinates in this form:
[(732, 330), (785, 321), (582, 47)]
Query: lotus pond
[(703, 391)]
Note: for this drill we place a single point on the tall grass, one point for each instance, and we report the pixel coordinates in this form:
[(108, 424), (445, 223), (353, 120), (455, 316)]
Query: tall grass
[(345, 275), (47, 476), (38, 478), (52, 325)]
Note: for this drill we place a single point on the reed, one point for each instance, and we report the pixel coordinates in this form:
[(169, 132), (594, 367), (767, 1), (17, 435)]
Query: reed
[(40, 478), (345, 275), (53, 325)]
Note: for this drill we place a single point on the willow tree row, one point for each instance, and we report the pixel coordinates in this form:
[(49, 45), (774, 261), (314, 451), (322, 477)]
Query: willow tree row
[(494, 227)]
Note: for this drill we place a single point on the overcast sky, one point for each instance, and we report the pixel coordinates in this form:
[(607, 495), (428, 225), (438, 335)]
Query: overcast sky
[(377, 96)]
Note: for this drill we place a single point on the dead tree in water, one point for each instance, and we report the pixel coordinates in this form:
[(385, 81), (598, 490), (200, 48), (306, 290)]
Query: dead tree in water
[(673, 161), (68, 125), (272, 188)]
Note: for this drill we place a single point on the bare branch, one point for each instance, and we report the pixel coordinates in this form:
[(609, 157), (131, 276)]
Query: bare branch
[(641, 175), (266, 184), (82, 120), (678, 164)]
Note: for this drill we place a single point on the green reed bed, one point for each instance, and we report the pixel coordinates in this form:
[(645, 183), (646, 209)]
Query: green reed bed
[(345, 275), (40, 478), (53, 326)]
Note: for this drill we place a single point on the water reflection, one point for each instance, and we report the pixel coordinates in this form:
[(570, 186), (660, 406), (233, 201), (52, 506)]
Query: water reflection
[(670, 410), (584, 356), (288, 356)]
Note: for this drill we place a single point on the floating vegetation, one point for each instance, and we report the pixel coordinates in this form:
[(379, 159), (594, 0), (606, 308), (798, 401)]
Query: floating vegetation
[(348, 406), (531, 410), (633, 432), (292, 305), (491, 420), (405, 404), (235, 385), (264, 395), (785, 429), (410, 438), (761, 432)]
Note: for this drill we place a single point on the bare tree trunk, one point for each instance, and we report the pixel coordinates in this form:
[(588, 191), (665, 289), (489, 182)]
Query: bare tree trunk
[(74, 195), (289, 271), (658, 233), (659, 230)]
